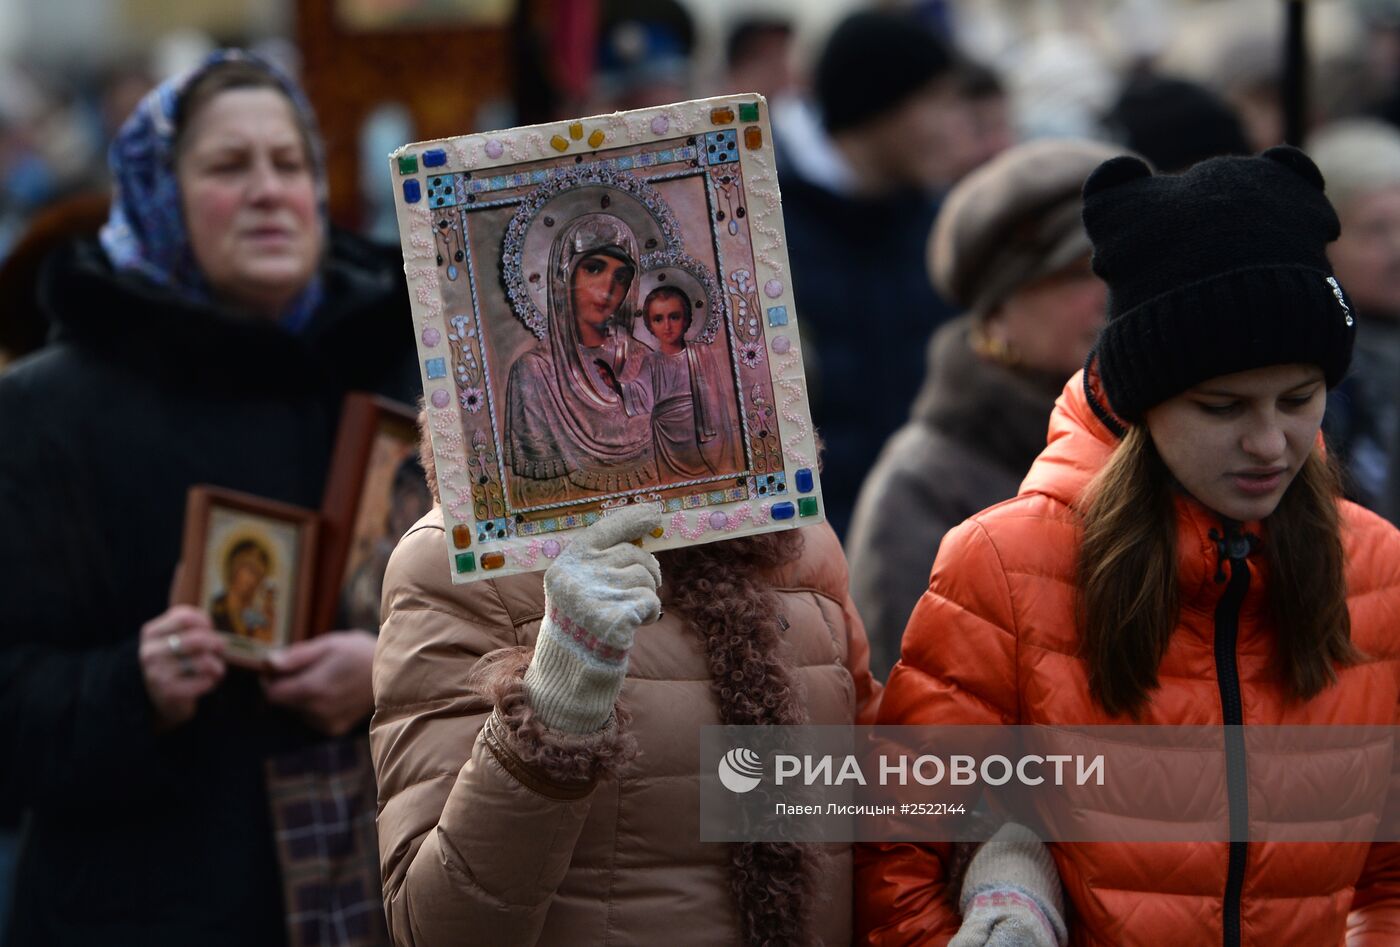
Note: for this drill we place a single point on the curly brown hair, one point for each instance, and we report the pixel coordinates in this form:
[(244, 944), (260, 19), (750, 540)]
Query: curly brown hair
[(721, 590)]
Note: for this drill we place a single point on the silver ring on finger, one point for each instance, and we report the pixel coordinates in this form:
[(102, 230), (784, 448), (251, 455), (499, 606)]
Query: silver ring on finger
[(187, 668), (176, 646)]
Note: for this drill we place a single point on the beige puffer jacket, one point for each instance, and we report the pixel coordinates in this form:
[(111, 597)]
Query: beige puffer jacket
[(494, 830)]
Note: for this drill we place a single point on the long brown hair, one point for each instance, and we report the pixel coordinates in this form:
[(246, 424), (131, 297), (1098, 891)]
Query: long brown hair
[(1127, 577)]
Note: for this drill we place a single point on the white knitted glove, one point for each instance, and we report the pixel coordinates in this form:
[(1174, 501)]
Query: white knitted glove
[(1011, 894), (596, 595)]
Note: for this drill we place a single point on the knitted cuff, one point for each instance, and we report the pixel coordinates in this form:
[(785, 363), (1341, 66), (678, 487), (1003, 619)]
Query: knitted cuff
[(1015, 866), (553, 763), (1007, 899), (575, 676)]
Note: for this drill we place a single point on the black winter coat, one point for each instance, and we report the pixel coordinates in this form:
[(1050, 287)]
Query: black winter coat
[(138, 838), (867, 309)]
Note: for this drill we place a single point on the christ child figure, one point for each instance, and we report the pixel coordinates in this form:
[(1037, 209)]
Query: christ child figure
[(683, 416)]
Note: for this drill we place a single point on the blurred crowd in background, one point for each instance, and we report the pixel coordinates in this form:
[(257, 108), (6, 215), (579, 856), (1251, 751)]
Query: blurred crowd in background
[(1175, 80), (1028, 68)]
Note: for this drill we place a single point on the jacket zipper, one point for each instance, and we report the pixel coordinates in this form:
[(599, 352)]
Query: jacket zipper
[(1234, 546)]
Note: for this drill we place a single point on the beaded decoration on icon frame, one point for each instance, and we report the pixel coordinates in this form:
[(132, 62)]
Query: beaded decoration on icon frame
[(778, 487)]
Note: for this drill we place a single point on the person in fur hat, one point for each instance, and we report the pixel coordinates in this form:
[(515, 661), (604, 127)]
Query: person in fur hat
[(1010, 249)]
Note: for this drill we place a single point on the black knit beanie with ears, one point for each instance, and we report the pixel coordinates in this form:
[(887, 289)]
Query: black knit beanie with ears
[(1218, 270)]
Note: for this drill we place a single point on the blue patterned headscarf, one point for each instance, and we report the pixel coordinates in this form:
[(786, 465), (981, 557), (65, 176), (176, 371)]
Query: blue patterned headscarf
[(145, 231)]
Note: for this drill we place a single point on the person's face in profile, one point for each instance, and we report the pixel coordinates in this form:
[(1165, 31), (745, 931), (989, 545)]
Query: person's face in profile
[(600, 284), (927, 141), (666, 318)]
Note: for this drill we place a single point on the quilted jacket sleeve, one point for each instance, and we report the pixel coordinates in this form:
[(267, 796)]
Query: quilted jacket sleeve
[(958, 667), (1375, 912), (823, 546), (868, 689), (1375, 909), (479, 805)]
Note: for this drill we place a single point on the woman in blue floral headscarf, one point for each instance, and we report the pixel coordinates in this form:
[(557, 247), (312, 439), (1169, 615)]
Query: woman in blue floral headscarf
[(161, 166), (207, 337)]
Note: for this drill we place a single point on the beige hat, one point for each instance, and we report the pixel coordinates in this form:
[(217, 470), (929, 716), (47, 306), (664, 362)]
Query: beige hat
[(1357, 157), (1012, 221)]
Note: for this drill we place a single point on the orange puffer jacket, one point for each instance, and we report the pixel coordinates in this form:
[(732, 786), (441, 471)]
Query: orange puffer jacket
[(993, 641)]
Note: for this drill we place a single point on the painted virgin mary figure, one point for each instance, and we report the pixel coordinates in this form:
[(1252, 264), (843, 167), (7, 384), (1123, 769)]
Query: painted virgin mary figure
[(568, 428), (247, 606)]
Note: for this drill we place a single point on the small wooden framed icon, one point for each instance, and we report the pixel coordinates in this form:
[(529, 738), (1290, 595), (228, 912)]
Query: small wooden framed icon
[(375, 492), (250, 563)]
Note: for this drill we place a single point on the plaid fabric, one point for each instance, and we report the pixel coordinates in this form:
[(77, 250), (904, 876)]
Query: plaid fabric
[(323, 806)]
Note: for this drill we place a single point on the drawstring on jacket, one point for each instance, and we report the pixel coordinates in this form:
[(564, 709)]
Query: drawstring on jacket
[(1232, 544)]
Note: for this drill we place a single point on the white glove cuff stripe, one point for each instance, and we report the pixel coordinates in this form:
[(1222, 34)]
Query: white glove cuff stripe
[(595, 646), (1003, 896)]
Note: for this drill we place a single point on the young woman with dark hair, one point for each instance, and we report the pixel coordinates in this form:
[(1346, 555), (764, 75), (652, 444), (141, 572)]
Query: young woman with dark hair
[(1179, 555)]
